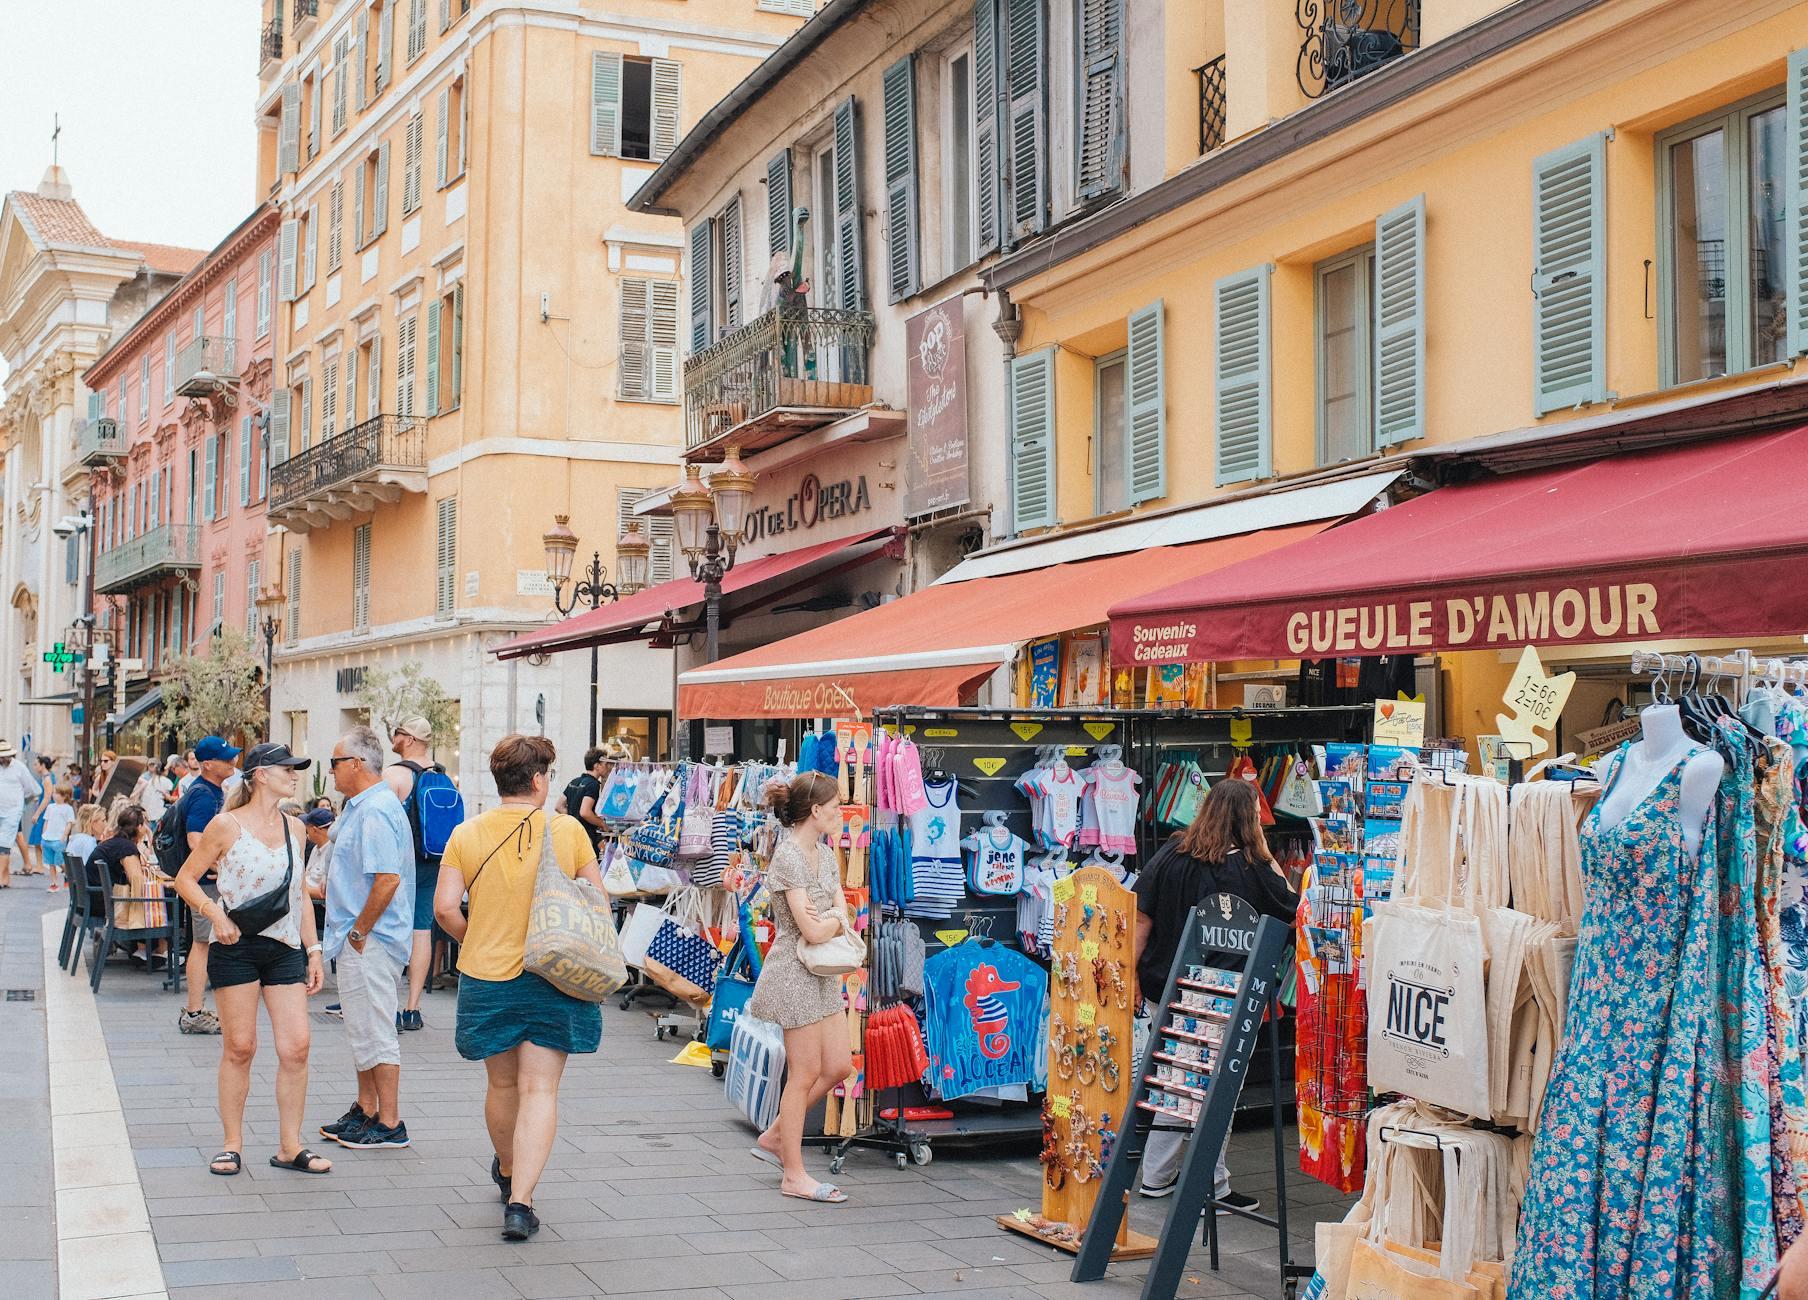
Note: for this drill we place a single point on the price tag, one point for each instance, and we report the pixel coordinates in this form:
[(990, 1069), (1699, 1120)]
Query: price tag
[(1088, 950), (1088, 1013), (1089, 894), (1536, 700), (1059, 1106), (1064, 890), (1026, 730), (1241, 731), (1099, 730), (990, 766)]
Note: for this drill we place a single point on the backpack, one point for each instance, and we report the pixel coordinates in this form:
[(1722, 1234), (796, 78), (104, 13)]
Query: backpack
[(435, 809), (170, 842)]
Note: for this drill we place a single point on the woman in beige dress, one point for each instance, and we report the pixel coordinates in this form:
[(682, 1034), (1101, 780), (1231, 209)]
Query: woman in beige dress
[(807, 904)]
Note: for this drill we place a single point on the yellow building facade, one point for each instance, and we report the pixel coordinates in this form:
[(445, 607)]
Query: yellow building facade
[(475, 333)]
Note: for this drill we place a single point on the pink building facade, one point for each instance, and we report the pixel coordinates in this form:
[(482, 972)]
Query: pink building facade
[(177, 441)]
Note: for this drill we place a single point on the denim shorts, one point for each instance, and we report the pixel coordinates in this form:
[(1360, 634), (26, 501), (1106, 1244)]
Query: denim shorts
[(497, 1015), (255, 959), (426, 883), (53, 852)]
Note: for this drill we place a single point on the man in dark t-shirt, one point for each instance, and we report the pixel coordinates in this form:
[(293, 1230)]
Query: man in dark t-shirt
[(583, 797), (206, 797)]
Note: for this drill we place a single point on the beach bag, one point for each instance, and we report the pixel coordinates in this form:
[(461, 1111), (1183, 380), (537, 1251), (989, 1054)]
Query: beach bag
[(679, 959), (693, 831), (637, 934), (657, 880), (618, 876), (655, 841), (571, 939), (1428, 1009), (1299, 792), (756, 1069), (734, 986), (1388, 1264)]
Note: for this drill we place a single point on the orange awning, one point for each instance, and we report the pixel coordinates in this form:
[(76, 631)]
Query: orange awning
[(935, 646)]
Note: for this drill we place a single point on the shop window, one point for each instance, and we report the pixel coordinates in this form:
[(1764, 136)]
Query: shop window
[(1111, 484), (1346, 356), (1722, 190)]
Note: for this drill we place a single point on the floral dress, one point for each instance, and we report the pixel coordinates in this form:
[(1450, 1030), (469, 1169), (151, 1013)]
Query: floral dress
[(1629, 1192), (786, 993)]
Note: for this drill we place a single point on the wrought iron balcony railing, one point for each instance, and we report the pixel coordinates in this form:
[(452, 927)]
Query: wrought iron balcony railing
[(350, 473), (99, 441), (1211, 104), (269, 41), (149, 557), (305, 11), (792, 369), (205, 365), (1347, 39)]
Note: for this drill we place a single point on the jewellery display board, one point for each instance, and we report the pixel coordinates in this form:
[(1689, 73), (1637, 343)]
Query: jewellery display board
[(1092, 1009), (1225, 977)]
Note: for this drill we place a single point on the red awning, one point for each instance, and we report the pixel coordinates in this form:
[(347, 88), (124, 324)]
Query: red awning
[(935, 646), (1703, 540), (660, 604)]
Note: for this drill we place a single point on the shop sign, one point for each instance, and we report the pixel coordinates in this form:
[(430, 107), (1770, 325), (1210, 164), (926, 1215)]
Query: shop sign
[(348, 681), (936, 477), (1599, 740), (814, 502)]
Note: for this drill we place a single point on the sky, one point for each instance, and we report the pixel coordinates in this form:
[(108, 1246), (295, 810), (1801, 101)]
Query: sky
[(156, 99)]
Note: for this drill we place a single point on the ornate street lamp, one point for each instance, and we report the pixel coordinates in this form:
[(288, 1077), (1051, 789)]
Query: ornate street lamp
[(593, 590), (269, 602), (710, 522)]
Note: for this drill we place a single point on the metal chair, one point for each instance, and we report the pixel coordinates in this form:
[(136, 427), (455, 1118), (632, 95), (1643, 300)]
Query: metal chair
[(88, 884), (110, 931), (75, 919)]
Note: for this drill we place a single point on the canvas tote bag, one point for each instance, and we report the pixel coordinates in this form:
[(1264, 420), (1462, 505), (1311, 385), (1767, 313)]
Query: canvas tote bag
[(571, 939)]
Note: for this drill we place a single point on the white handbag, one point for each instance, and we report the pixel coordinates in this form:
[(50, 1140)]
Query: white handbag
[(842, 954), (643, 923)]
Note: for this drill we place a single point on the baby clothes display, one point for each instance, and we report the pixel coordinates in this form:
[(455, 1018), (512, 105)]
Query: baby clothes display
[(937, 875), (985, 1018), (1054, 790), (1111, 796), (997, 855), (908, 795)]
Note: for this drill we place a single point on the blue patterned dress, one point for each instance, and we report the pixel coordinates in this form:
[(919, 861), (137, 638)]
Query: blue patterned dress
[(1629, 1193)]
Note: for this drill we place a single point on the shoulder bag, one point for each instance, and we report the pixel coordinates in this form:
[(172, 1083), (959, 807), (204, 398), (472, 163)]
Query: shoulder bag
[(571, 939), (258, 914)]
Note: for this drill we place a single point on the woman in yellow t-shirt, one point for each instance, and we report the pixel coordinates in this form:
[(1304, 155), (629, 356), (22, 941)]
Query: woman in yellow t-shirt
[(518, 1025)]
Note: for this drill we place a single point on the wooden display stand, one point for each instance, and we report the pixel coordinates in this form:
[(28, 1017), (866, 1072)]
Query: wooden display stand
[(1092, 1009)]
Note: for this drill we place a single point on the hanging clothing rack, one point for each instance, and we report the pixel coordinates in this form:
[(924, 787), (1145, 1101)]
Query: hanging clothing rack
[(1741, 666)]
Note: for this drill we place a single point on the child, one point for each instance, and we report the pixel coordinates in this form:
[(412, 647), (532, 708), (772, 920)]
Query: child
[(88, 826), (59, 816)]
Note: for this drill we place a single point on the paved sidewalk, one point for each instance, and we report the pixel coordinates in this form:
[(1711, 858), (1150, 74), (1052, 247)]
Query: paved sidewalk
[(650, 1190), (28, 1192)]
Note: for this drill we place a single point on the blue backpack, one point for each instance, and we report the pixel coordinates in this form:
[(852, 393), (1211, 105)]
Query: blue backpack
[(435, 809)]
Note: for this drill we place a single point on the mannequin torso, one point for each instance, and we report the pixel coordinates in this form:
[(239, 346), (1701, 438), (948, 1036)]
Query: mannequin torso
[(1649, 761)]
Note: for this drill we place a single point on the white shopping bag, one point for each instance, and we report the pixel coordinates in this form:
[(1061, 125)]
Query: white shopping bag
[(643, 923), (1428, 1011)]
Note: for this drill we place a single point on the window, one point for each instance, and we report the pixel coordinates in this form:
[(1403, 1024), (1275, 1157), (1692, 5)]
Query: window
[(251, 576), (245, 459), (1099, 98), (120, 413), (224, 440), (309, 235), (169, 366), (210, 483), (634, 106), (451, 134), (648, 370), (798, 8), (728, 265), (452, 10), (265, 267), (1723, 259), (411, 164), (144, 386), (219, 604), (370, 210), (903, 275), (335, 226), (194, 485), (383, 18), (447, 557), (361, 578), (373, 388), (292, 601), (417, 29), (445, 351), (957, 157), (305, 413), (405, 339), (229, 330), (342, 69), (329, 399), (658, 529), (310, 94), (1110, 479), (1346, 356), (199, 320)]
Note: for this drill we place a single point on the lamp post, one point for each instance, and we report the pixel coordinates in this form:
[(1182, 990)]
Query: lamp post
[(269, 602), (710, 522), (594, 589)]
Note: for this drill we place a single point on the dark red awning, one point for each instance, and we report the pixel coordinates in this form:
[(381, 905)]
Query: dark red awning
[(1703, 540)]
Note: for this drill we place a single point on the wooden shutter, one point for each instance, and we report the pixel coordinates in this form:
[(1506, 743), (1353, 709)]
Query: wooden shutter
[(286, 240), (730, 224), (245, 460), (379, 219), (1145, 406), (335, 227), (444, 113), (251, 575), (361, 577), (210, 457), (373, 390), (666, 107), (411, 164), (1569, 273), (358, 208), (279, 427), (329, 400), (663, 340), (702, 330), (341, 70), (1795, 169), (1101, 163), (899, 91), (986, 168), (288, 136), (229, 331), (405, 338), (661, 561), (219, 602), (445, 14), (605, 103), (316, 96), (313, 247), (632, 368), (444, 588), (1400, 324), (417, 28), (1032, 407), (458, 346), (431, 407), (385, 42), (849, 255), (778, 204), (1240, 374), (292, 628), (306, 414), (1026, 84), (352, 418), (361, 55)]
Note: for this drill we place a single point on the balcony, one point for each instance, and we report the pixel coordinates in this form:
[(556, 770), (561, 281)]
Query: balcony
[(305, 11), (350, 473), (99, 442), (1212, 102), (163, 552), (790, 371), (269, 43), (205, 366), (1348, 39)]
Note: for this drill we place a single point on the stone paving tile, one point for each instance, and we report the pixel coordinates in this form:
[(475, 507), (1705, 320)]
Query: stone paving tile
[(202, 1272)]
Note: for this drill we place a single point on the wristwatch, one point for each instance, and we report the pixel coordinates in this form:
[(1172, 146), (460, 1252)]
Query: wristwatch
[(356, 935)]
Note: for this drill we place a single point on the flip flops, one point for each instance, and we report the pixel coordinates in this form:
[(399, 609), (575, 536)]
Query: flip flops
[(302, 1163), (825, 1194), (234, 1158)]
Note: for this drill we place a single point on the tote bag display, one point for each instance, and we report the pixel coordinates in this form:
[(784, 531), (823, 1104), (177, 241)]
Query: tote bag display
[(643, 924), (679, 959), (1428, 1011), (571, 939)]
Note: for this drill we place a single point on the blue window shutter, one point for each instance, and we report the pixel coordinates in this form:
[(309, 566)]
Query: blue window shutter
[(701, 329), (849, 254), (1146, 406), (778, 204), (1101, 159), (1569, 276), (1032, 404), (1026, 86), (1240, 374), (986, 168), (900, 113), (1400, 324), (605, 102), (1795, 240), (432, 407)]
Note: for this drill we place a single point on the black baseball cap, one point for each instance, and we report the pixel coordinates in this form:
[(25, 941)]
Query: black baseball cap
[(270, 754)]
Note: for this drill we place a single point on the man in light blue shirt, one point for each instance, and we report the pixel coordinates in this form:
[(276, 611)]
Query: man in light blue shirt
[(369, 925)]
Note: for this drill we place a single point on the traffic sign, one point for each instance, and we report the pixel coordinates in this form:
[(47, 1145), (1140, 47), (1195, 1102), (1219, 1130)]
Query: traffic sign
[(60, 657)]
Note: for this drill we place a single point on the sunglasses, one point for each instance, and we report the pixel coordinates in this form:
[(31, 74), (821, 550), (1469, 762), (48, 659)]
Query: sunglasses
[(343, 758)]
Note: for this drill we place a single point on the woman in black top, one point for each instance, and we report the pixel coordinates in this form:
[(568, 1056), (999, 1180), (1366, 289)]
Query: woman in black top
[(121, 858), (1223, 852)]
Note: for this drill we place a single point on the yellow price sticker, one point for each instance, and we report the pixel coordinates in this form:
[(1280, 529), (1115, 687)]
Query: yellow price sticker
[(1088, 1013), (1059, 1106), (990, 766), (1064, 890), (1026, 730), (1099, 730), (1077, 751), (941, 733), (1089, 894), (1242, 730), (1089, 950)]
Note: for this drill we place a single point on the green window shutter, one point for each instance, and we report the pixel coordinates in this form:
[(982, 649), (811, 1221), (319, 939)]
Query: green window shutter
[(667, 106), (702, 331), (849, 255), (1026, 85), (1400, 324), (778, 204), (458, 344), (1032, 402), (986, 168), (1240, 373), (631, 370), (286, 242), (605, 103), (1145, 406), (1569, 276), (432, 405), (279, 427), (1796, 169), (900, 112), (1101, 164), (731, 263), (379, 221)]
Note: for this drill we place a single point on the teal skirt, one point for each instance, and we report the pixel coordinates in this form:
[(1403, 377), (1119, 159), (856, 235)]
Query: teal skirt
[(496, 1015)]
